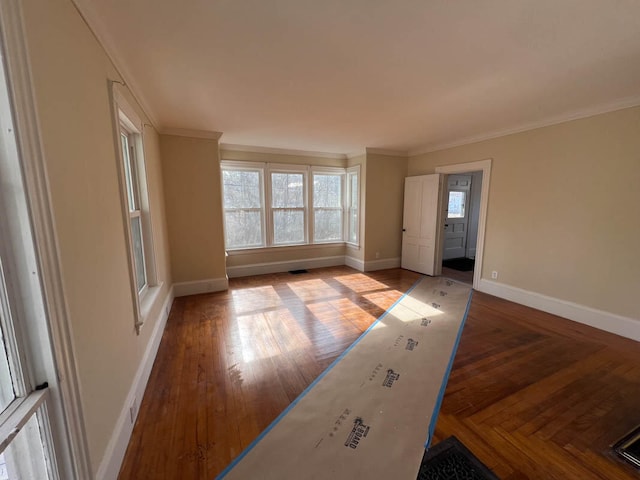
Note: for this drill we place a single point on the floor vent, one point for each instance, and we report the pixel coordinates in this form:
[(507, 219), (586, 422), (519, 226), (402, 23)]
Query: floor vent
[(629, 447), (298, 272)]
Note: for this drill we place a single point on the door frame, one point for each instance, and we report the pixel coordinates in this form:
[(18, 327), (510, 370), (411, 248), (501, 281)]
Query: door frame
[(485, 167)]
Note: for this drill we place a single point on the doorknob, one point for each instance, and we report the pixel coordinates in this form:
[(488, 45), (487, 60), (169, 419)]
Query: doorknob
[(404, 229), (446, 225)]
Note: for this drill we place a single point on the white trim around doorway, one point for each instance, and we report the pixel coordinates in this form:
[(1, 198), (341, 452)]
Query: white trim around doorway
[(485, 167)]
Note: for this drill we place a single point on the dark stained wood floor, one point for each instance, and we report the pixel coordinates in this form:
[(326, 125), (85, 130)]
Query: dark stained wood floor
[(537, 396), (532, 395)]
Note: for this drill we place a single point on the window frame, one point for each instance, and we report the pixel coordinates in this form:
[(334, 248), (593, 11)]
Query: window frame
[(247, 167), (127, 123), (328, 171), (351, 171), (270, 209)]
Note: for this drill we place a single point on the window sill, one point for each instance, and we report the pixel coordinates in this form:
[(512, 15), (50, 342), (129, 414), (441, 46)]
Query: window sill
[(310, 246), (148, 303)]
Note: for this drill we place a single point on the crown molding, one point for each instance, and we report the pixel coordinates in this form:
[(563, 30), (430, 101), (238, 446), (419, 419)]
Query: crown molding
[(628, 102), (356, 154), (280, 151), (384, 151), (185, 132), (378, 151), (93, 21)]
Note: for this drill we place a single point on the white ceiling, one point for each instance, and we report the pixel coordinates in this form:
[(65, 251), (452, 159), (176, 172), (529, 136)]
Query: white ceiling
[(341, 75)]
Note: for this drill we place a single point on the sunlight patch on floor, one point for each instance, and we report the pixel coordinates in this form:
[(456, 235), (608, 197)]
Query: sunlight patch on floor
[(258, 298), (359, 282), (309, 290)]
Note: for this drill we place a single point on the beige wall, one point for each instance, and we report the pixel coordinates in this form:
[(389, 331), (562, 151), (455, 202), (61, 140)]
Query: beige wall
[(384, 201), (194, 207), (564, 209), (284, 254), (70, 72)]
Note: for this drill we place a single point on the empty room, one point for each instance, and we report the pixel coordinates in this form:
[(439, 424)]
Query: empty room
[(342, 239)]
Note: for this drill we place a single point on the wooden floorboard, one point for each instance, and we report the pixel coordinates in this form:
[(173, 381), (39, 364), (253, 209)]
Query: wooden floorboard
[(532, 395)]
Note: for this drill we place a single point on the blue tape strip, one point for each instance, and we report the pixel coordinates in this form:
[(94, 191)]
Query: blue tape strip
[(313, 384), (445, 379)]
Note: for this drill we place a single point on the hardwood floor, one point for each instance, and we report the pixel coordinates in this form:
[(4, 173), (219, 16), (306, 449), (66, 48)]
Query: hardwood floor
[(464, 277), (537, 396), (230, 362), (532, 395)]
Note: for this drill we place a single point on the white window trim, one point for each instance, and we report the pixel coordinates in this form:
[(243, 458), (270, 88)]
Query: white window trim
[(125, 118)]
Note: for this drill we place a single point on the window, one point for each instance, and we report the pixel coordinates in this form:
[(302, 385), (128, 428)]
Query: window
[(456, 204), (243, 204), (268, 205), (288, 207), (353, 205), (135, 212), (327, 207), (135, 200)]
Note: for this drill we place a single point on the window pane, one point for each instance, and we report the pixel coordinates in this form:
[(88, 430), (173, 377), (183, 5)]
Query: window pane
[(353, 190), (7, 393), (138, 252), (352, 220), (287, 190), (24, 458), (327, 191), (128, 174), (243, 229), (288, 226), (241, 189), (327, 225), (456, 205), (353, 225)]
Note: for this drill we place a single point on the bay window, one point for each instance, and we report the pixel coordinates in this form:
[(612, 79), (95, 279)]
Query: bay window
[(269, 205)]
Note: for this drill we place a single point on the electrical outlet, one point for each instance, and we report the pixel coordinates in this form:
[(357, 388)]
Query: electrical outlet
[(133, 410), (377, 254), (494, 274)]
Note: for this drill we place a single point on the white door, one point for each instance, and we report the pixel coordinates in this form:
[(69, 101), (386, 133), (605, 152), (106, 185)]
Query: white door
[(420, 224), (457, 219)]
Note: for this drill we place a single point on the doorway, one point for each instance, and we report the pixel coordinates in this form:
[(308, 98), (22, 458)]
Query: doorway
[(462, 202), (464, 216)]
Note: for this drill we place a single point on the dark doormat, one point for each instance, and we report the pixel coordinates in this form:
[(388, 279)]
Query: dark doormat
[(460, 264), (451, 460), (628, 447)]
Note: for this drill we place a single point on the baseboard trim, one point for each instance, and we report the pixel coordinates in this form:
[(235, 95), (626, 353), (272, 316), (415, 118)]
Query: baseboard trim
[(200, 286), (354, 263), (382, 264), (609, 322), (117, 447), (278, 267)]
